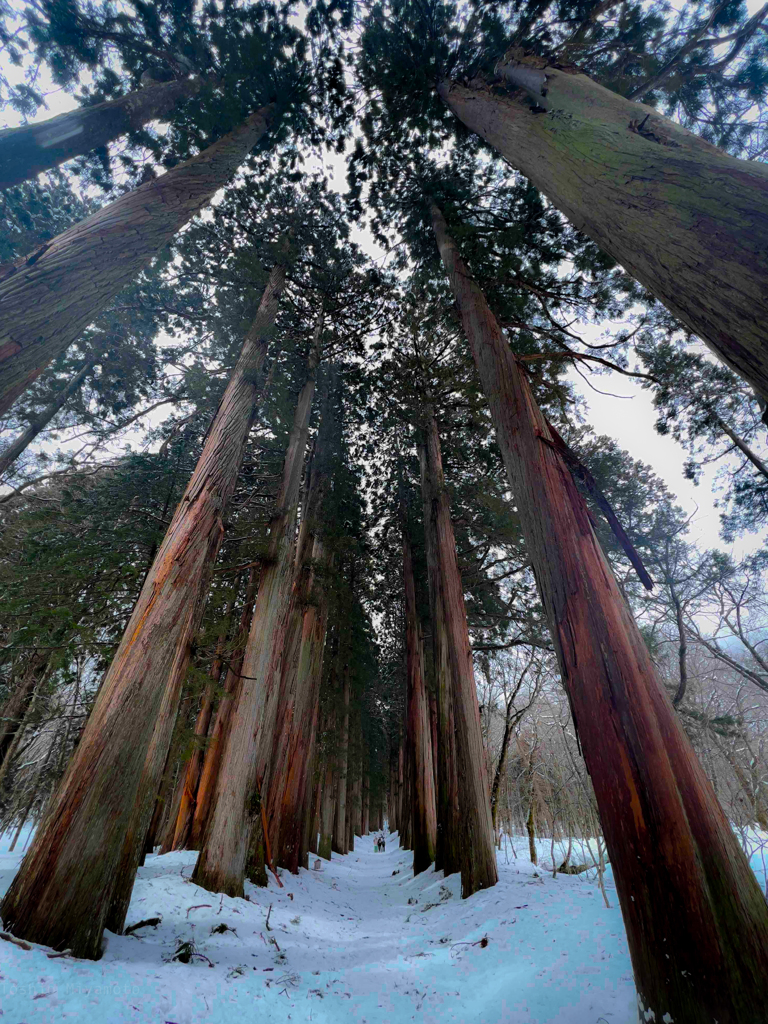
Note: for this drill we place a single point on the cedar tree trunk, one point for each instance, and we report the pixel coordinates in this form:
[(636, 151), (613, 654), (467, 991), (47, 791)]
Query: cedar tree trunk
[(48, 298), (327, 804), (476, 837), (9, 454), (419, 733), (296, 739), (678, 868), (191, 772), (212, 761), (245, 766), (26, 151), (339, 842), (92, 837), (448, 845), (301, 674), (689, 222)]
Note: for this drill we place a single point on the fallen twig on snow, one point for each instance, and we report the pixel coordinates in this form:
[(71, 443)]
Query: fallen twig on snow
[(150, 922), (16, 942), (198, 906), (482, 943), (27, 946)]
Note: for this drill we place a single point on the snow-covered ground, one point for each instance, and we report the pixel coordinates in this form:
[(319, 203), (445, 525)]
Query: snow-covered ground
[(358, 941)]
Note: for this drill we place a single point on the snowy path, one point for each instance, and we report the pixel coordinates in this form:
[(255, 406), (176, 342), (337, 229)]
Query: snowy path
[(348, 947)]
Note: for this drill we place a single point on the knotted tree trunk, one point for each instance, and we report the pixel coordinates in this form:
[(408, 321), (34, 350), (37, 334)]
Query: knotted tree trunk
[(681, 216), (475, 834), (678, 868), (91, 840), (26, 151), (244, 774), (48, 298)]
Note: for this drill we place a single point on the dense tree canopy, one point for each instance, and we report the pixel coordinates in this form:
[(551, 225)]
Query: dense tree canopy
[(386, 614)]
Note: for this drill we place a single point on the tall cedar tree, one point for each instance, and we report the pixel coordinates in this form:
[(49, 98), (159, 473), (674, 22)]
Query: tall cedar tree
[(685, 218)]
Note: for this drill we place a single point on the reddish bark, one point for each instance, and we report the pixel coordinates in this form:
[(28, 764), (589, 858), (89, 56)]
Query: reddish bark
[(212, 760), (327, 805), (419, 737), (684, 218), (49, 297), (404, 798), (340, 842), (296, 740), (246, 758), (678, 868), (191, 771), (477, 854), (302, 666), (85, 853)]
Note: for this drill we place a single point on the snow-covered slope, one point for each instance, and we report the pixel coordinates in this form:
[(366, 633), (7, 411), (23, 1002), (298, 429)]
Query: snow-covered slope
[(358, 941)]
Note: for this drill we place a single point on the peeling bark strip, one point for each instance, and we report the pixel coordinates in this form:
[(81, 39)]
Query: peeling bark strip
[(685, 219), (33, 148), (84, 857), (477, 854), (245, 762), (46, 303), (419, 733), (679, 870)]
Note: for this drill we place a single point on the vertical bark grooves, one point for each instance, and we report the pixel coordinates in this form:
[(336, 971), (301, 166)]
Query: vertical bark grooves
[(339, 841), (327, 804), (448, 846), (296, 739), (296, 722), (191, 772), (419, 734), (477, 852), (33, 148), (678, 868), (212, 760), (246, 757), (15, 708), (682, 217), (92, 837), (50, 297)]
